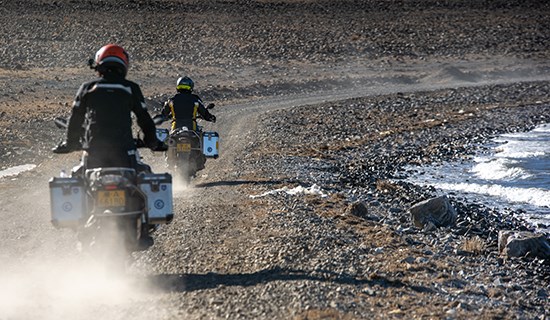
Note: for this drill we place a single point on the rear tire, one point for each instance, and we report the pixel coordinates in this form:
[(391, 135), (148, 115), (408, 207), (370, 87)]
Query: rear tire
[(110, 242), (183, 171)]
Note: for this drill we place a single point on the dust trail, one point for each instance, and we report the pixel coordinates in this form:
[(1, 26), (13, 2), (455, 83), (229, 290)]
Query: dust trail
[(158, 164), (179, 185), (67, 284), (43, 276), (43, 289)]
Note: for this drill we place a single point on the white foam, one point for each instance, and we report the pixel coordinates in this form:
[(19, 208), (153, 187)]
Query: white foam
[(545, 128), (534, 196), (314, 190), (522, 149), (499, 169), (13, 171), (535, 143)]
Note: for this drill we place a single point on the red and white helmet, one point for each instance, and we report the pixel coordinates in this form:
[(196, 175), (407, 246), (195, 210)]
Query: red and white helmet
[(112, 55)]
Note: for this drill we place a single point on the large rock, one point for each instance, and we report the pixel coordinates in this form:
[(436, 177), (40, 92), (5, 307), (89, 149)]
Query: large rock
[(358, 209), (523, 243), (436, 211)]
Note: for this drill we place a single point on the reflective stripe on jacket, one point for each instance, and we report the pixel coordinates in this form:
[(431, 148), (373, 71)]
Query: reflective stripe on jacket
[(183, 109)]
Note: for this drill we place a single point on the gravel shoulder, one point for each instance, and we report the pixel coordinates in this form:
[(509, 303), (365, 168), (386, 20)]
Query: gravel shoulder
[(422, 84)]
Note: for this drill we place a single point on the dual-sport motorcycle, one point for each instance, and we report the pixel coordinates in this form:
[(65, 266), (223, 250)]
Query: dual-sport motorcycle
[(187, 149), (113, 210)]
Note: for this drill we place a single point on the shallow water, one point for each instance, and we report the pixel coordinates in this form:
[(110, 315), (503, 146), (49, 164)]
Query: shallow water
[(514, 173)]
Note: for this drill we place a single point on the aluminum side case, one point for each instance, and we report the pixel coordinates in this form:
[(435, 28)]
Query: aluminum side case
[(210, 144), (158, 189), (68, 201)]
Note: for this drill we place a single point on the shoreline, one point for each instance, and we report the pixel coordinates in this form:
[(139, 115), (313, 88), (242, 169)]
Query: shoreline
[(361, 171), (284, 256), (486, 191)]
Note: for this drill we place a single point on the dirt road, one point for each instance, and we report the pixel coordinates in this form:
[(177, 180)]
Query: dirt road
[(227, 255), (214, 260)]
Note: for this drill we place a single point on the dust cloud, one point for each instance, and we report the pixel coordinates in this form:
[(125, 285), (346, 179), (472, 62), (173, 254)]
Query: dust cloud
[(71, 287), (179, 185), (158, 165), (44, 276)]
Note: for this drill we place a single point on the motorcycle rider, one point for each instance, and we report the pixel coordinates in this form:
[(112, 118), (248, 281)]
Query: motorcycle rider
[(101, 121), (183, 108)]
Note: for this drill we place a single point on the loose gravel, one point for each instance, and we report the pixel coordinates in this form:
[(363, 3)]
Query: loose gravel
[(283, 256)]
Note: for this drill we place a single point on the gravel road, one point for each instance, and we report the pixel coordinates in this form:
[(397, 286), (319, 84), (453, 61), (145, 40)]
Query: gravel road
[(287, 77)]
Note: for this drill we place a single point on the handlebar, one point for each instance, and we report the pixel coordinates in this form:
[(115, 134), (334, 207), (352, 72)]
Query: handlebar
[(161, 146), (160, 118), (62, 147)]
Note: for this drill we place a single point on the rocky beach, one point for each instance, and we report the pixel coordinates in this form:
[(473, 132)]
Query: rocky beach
[(324, 107)]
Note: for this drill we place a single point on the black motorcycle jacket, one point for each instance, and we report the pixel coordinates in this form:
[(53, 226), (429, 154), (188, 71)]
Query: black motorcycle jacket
[(183, 109), (101, 115)]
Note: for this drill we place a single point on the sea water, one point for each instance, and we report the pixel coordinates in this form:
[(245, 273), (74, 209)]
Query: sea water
[(514, 173)]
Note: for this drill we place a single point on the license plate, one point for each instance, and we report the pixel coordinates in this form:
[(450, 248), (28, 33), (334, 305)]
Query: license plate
[(111, 198), (183, 147)]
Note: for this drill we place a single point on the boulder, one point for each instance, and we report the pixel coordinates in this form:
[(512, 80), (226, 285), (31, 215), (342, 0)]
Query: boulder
[(436, 212), (358, 209), (523, 243)]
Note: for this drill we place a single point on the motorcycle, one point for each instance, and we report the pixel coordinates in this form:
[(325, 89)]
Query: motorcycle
[(187, 149), (113, 210)]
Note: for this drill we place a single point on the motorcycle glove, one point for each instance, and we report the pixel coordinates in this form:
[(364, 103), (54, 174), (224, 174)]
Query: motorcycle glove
[(139, 143), (159, 146), (213, 118)]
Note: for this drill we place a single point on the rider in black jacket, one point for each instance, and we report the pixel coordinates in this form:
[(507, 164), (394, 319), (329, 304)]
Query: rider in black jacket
[(183, 109), (101, 120), (184, 106)]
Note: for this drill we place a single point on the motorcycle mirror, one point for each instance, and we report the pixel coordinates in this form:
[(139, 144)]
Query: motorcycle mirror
[(91, 63), (210, 106), (61, 123)]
